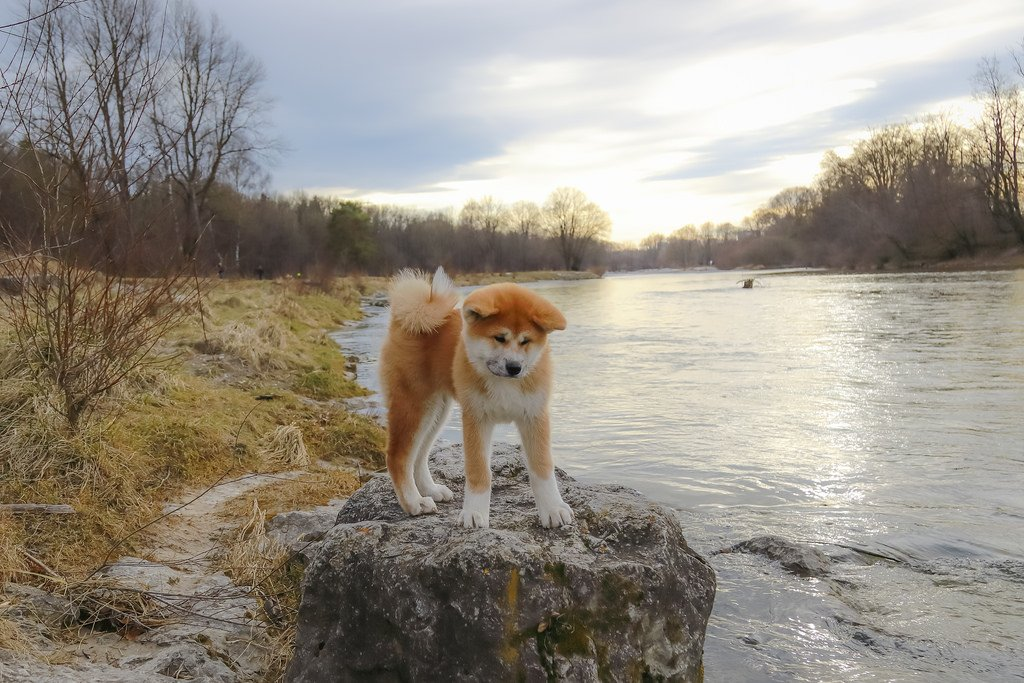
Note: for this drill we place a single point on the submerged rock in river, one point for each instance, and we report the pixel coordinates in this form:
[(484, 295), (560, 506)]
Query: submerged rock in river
[(618, 595), (797, 558)]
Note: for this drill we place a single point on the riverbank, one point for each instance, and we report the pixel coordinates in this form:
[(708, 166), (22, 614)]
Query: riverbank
[(1011, 259), (246, 416), (1008, 259)]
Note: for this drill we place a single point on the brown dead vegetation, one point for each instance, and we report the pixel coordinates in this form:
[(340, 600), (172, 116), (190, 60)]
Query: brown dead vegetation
[(165, 429)]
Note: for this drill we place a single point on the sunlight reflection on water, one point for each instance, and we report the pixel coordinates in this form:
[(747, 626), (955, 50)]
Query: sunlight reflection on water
[(879, 412)]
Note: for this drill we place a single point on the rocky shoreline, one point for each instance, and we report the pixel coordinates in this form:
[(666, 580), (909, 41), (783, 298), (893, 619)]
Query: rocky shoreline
[(619, 591)]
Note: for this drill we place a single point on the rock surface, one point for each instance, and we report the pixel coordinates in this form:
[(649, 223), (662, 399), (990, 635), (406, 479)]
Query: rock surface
[(616, 596), (299, 529), (16, 668), (208, 630), (797, 558)]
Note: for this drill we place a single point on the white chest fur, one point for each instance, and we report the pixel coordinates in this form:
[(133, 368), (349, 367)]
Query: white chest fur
[(505, 401)]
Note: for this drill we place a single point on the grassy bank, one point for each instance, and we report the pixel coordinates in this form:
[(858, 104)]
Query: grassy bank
[(255, 358), (249, 382)]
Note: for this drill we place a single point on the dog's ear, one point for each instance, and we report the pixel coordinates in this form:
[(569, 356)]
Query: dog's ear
[(477, 308), (547, 317)]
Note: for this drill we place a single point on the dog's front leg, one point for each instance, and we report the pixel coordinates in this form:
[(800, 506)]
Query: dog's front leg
[(536, 433), (476, 501)]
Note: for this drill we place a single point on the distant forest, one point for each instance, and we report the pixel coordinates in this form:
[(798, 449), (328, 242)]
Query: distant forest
[(132, 137)]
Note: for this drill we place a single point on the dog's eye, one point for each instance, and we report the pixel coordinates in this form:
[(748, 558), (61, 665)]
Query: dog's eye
[(500, 338), (524, 342)]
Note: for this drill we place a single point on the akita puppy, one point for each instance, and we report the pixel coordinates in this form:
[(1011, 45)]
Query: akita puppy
[(494, 359)]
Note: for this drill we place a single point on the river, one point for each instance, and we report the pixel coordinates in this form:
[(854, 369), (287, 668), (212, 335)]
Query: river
[(865, 415)]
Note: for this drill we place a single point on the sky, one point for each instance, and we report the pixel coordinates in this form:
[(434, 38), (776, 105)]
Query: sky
[(664, 113)]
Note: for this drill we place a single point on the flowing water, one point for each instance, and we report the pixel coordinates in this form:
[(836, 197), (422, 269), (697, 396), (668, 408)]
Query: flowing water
[(878, 418)]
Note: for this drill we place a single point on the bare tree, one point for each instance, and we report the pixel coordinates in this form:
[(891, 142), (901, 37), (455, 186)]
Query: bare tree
[(788, 212), (707, 235), (652, 251), (51, 108), (80, 324), (489, 217), (999, 148), (122, 50), (576, 223), (944, 202), (214, 118), (525, 221)]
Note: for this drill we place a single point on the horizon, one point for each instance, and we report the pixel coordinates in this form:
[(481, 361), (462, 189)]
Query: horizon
[(696, 113)]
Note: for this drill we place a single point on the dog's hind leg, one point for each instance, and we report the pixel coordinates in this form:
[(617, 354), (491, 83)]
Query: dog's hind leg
[(404, 426), (433, 420)]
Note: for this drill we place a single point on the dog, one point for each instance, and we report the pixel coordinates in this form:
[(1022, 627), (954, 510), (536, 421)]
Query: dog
[(493, 358)]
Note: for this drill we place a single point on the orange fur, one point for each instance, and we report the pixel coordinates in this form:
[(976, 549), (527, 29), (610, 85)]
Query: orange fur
[(493, 359)]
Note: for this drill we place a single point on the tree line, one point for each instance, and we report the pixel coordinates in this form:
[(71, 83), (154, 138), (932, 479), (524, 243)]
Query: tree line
[(121, 122), (909, 193), (133, 140), (317, 236)]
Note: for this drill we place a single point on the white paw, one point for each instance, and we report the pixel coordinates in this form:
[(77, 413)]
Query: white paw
[(439, 492), (473, 519), (421, 505), (555, 516)]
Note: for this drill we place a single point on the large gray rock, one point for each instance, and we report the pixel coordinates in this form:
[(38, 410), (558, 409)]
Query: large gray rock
[(616, 596)]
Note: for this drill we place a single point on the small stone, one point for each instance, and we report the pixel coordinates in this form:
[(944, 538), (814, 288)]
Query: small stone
[(296, 530), (796, 558)]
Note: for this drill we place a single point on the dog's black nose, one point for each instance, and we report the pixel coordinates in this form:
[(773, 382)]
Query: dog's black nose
[(513, 369)]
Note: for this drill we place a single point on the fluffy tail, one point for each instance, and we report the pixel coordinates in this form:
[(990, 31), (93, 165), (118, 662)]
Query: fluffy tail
[(419, 307)]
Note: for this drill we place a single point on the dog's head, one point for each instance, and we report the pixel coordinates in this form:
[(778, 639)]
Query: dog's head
[(507, 328)]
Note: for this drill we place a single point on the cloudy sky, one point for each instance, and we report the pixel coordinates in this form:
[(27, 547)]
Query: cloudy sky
[(664, 113)]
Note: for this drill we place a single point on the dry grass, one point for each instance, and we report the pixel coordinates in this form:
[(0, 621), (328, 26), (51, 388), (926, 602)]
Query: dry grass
[(258, 341), (267, 568), (284, 448), (34, 440), (12, 559), (264, 566), (13, 638), (368, 285), (173, 429), (276, 330), (314, 488), (251, 554), (341, 437), (105, 605)]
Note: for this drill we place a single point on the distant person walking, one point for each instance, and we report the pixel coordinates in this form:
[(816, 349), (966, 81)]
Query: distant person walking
[(259, 272)]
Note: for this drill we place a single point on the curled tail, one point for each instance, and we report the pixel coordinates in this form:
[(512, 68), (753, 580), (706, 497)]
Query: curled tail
[(418, 306)]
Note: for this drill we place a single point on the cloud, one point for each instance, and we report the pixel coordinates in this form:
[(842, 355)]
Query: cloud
[(664, 113)]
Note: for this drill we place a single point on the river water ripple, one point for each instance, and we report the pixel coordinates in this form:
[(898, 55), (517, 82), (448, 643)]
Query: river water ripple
[(867, 415)]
